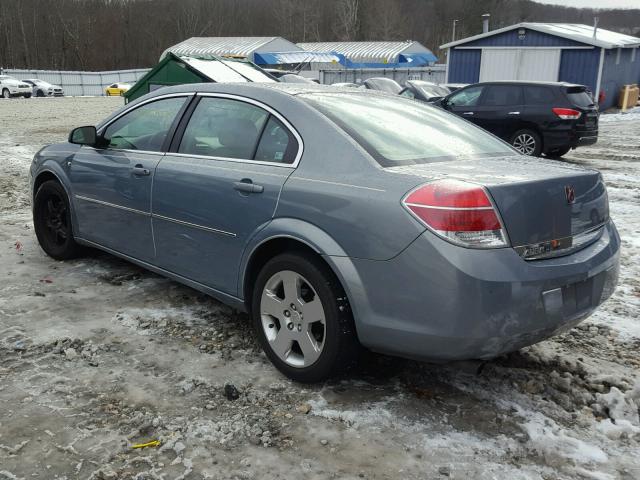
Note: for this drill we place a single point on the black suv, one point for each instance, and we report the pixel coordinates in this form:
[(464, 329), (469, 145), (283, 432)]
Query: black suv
[(534, 117)]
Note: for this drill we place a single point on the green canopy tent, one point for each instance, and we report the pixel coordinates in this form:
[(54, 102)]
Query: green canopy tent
[(178, 70)]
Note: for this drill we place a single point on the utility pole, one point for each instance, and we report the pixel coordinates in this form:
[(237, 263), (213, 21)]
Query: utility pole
[(453, 33)]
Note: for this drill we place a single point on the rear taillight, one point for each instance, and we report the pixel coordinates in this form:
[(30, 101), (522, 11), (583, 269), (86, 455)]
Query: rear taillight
[(459, 212), (567, 113)]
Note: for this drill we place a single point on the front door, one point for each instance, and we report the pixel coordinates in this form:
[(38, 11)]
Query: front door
[(219, 188), (464, 102), (112, 185)]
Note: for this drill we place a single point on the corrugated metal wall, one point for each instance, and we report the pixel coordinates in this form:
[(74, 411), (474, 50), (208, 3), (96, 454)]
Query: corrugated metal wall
[(80, 83), (435, 73), (464, 65), (614, 76), (580, 66)]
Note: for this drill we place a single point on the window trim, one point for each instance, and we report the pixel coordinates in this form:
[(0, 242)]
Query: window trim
[(268, 109), (171, 130)]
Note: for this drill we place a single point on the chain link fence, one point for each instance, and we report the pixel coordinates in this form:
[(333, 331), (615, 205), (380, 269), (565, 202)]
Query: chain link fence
[(434, 73), (80, 83)]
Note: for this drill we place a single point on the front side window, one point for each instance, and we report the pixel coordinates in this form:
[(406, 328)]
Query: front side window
[(396, 131), (146, 127), (466, 98), (502, 95)]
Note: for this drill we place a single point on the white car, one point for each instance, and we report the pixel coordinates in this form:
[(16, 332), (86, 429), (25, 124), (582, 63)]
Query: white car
[(41, 88), (12, 87)]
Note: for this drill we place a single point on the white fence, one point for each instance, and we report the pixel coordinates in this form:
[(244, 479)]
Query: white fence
[(434, 73), (80, 83)]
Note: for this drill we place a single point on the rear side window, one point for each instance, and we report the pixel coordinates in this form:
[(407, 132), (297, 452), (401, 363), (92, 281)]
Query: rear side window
[(538, 95), (466, 98), (499, 95), (277, 143), (220, 127), (580, 97), (396, 131)]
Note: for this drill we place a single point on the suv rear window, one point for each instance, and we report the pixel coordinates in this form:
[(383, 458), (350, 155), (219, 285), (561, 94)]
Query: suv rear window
[(580, 97), (397, 131), (497, 95), (538, 95)]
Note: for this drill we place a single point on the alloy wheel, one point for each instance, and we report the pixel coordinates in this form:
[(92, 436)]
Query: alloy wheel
[(525, 143), (293, 318), (55, 220)]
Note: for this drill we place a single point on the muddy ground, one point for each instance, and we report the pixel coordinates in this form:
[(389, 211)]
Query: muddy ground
[(97, 355)]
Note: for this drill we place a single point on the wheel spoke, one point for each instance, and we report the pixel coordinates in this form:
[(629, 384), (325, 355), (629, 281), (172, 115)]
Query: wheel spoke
[(51, 209), (282, 343), (271, 305), (310, 348), (291, 287), (313, 311)]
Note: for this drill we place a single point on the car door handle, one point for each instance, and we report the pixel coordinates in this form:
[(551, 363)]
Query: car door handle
[(467, 113), (514, 113), (140, 171), (246, 185)]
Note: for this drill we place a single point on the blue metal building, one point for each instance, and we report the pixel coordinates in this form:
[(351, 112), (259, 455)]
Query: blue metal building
[(601, 59)]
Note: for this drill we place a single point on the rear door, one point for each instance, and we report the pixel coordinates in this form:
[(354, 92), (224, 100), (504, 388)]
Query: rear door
[(539, 102), (220, 185), (112, 185), (500, 109), (465, 102)]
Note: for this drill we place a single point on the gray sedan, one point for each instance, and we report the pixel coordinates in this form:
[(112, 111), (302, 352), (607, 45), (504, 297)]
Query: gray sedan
[(338, 218)]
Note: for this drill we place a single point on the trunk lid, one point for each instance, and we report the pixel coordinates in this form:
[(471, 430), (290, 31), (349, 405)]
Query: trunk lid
[(538, 200)]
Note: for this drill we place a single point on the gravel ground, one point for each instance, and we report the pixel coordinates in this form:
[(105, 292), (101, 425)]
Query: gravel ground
[(97, 356)]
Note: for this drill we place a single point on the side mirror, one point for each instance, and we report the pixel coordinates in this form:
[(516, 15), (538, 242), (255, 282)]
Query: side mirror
[(84, 136)]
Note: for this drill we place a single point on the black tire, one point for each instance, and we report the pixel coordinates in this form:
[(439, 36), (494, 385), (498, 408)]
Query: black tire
[(527, 142), (558, 152), (340, 344), (27, 95), (39, 93), (52, 221), (6, 93)]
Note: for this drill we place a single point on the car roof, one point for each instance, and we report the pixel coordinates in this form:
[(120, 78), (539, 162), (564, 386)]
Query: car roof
[(284, 88), (529, 82)]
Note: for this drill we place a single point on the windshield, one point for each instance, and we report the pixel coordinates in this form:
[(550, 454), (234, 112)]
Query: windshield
[(397, 131), (383, 84), (429, 90)]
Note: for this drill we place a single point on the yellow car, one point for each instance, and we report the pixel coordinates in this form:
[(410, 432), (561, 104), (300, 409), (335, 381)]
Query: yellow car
[(117, 89)]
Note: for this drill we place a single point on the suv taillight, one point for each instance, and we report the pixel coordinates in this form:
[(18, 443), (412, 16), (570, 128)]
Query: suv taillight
[(459, 212), (567, 113)]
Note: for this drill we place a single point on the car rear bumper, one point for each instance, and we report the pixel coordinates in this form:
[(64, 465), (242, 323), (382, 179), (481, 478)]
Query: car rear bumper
[(553, 139), (439, 302)]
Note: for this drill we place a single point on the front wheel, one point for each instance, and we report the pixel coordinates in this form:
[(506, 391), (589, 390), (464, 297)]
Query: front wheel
[(27, 95), (302, 318), (52, 221), (527, 142)]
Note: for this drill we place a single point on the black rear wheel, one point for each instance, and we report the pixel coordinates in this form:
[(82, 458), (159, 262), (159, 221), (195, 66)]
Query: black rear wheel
[(39, 93), (52, 221), (527, 142)]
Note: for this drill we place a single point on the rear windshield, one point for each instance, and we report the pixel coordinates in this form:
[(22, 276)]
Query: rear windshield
[(580, 97), (397, 131)]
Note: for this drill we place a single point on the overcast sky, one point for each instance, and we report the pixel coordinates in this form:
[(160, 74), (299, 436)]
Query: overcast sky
[(594, 3)]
